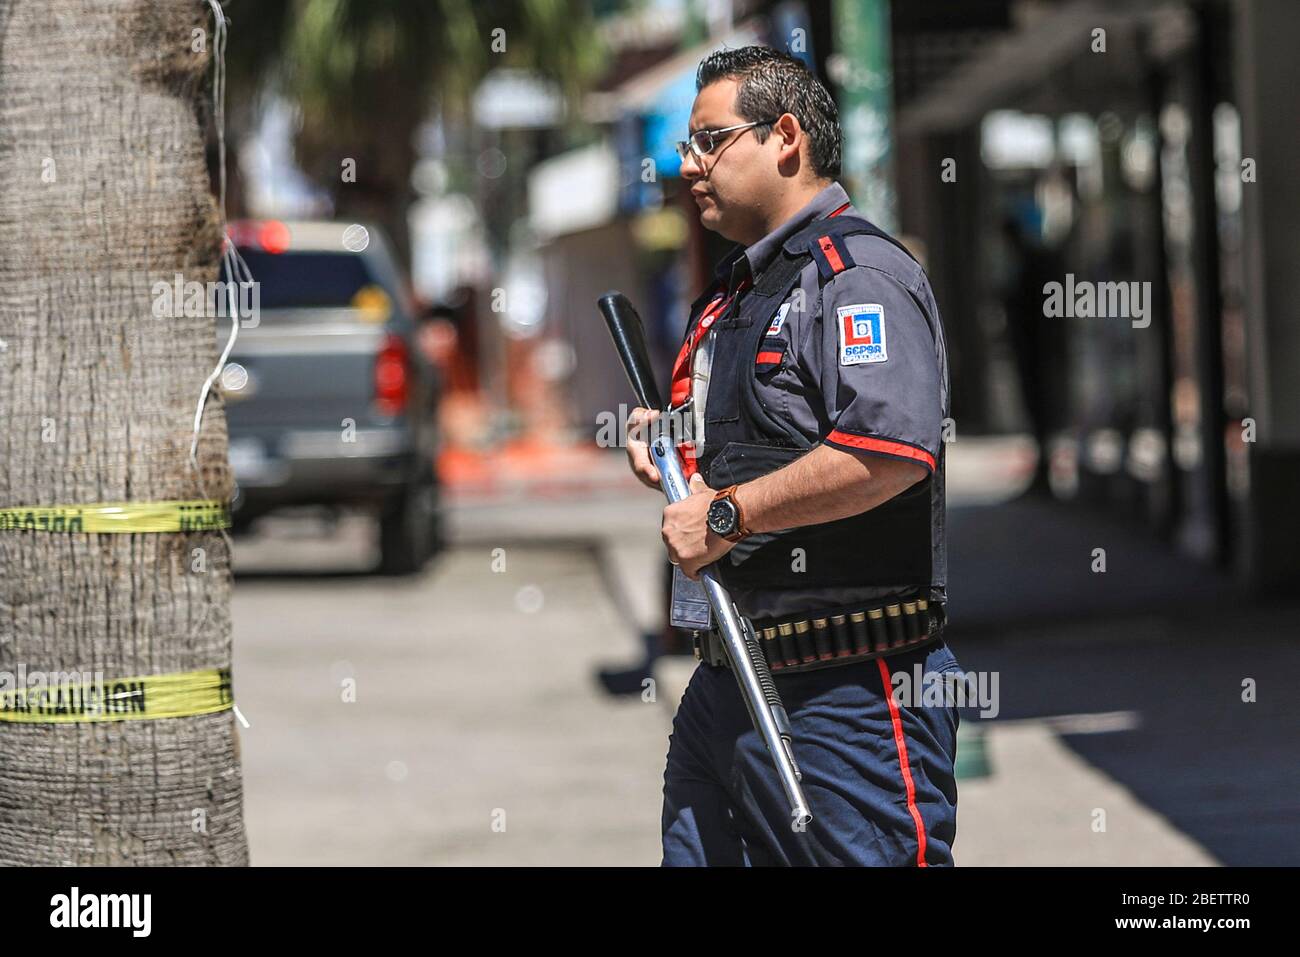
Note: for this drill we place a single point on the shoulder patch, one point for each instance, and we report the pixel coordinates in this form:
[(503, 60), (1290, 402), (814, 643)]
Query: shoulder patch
[(862, 333)]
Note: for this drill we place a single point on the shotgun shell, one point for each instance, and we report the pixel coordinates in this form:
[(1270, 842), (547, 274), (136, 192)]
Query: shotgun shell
[(842, 639), (822, 639), (804, 642), (911, 625), (772, 649), (861, 634), (876, 627), (894, 621), (785, 636)]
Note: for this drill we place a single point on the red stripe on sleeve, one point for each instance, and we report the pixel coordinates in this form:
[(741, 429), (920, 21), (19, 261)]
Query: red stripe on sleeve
[(768, 357), (869, 444)]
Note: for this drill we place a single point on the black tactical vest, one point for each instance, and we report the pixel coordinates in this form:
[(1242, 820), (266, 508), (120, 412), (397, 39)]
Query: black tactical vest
[(743, 439)]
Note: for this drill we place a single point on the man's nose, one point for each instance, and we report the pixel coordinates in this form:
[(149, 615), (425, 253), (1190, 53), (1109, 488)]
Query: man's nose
[(692, 166)]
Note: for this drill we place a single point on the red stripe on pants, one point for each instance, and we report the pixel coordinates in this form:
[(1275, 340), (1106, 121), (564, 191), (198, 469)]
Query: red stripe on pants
[(901, 744)]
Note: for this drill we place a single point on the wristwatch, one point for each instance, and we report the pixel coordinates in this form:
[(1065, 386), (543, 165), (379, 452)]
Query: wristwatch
[(724, 516)]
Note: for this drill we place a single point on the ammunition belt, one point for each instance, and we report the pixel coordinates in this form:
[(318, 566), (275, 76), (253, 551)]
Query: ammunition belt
[(841, 638)]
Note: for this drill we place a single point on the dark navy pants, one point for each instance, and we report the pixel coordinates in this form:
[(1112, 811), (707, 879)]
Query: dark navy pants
[(877, 772)]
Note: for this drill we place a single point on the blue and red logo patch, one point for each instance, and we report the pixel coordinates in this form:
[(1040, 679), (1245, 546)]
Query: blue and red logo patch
[(862, 334)]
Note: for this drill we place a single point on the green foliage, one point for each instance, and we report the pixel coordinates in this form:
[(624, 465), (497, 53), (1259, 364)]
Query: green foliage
[(344, 60), (366, 73)]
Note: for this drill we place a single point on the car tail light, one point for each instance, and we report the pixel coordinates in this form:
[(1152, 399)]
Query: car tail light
[(273, 236), (268, 235), (392, 376)]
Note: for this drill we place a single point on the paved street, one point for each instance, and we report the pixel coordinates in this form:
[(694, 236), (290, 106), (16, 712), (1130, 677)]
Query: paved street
[(477, 734), (474, 699)]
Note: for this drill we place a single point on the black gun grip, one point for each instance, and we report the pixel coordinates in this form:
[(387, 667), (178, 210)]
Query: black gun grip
[(628, 333)]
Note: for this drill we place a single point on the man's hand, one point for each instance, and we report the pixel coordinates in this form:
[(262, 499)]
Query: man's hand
[(690, 542), (638, 446)]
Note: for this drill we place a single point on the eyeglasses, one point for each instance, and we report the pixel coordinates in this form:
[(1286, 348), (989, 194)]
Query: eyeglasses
[(703, 142)]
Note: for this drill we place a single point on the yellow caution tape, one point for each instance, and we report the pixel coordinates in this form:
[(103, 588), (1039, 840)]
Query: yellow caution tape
[(145, 697), (191, 516)]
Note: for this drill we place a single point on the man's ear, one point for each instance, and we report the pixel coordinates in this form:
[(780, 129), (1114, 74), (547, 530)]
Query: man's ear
[(791, 135)]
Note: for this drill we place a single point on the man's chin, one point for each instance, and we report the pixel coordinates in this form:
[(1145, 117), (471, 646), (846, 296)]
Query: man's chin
[(711, 220)]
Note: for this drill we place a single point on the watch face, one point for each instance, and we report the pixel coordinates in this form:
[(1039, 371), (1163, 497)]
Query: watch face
[(722, 517)]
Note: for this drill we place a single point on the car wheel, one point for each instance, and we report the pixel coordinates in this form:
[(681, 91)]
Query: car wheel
[(409, 531)]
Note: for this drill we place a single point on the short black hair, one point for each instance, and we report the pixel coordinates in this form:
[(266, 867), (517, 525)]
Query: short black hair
[(773, 83)]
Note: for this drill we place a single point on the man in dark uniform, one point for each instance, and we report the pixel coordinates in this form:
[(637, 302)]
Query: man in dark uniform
[(815, 377)]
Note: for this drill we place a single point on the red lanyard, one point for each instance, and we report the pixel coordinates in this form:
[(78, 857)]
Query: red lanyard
[(681, 388), (681, 383)]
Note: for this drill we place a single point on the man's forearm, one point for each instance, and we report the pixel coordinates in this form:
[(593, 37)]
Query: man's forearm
[(823, 485)]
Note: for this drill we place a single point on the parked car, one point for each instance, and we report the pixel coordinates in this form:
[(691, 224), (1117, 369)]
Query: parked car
[(328, 400)]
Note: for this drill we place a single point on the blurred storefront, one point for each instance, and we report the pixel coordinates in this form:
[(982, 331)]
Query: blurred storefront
[(1125, 143)]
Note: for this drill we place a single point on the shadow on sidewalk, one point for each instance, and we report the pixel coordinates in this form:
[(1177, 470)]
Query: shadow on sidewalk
[(1157, 636)]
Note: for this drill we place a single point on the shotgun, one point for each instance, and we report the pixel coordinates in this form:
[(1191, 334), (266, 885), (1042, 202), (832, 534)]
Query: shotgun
[(747, 662)]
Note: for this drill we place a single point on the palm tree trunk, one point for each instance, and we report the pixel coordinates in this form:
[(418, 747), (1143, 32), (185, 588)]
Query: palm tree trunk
[(103, 192)]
